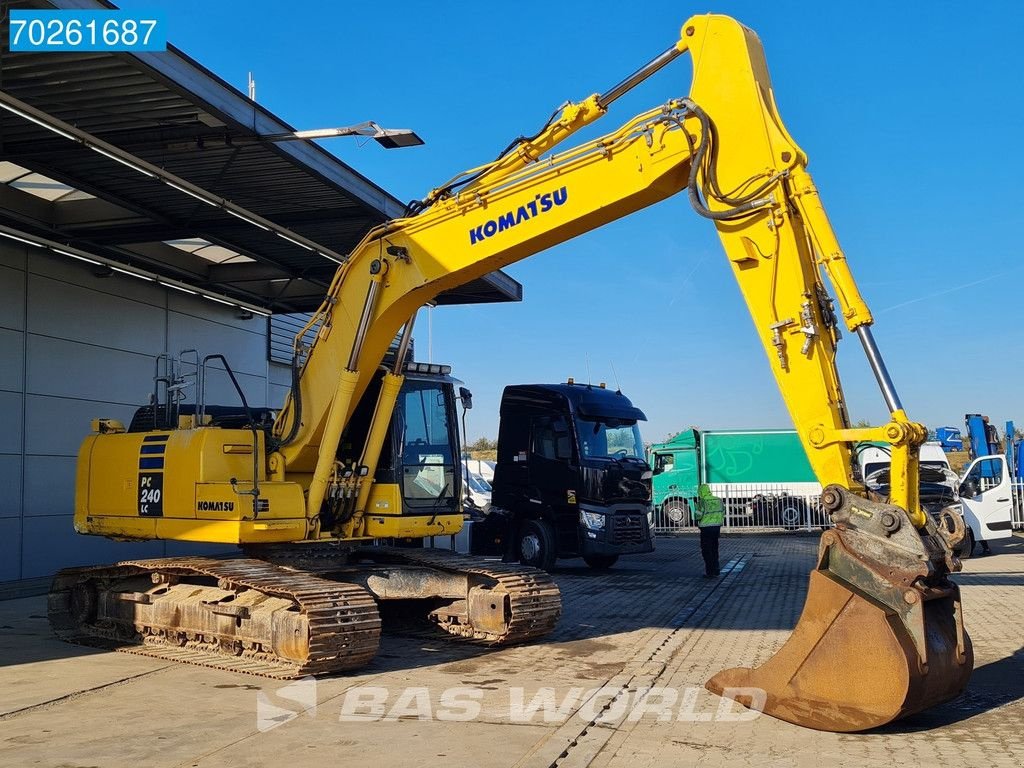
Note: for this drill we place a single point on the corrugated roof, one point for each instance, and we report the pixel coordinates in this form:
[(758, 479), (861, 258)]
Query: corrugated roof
[(170, 111)]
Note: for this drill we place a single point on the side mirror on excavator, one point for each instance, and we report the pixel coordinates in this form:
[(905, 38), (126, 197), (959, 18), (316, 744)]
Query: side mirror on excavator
[(466, 397)]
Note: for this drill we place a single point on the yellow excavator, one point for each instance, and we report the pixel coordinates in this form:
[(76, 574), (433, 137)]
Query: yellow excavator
[(305, 490)]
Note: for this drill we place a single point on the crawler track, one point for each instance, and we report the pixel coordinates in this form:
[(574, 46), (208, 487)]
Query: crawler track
[(534, 600), (305, 613), (241, 615)]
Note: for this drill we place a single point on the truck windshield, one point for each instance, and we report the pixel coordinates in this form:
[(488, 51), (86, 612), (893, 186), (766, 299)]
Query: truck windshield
[(428, 460), (609, 438)]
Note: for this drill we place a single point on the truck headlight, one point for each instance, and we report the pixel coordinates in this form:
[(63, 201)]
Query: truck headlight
[(650, 519), (592, 520)]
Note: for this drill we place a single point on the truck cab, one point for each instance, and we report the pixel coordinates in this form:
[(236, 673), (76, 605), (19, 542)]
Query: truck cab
[(571, 474)]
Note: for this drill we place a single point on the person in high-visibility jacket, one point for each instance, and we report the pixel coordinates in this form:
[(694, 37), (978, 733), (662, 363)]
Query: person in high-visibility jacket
[(710, 516)]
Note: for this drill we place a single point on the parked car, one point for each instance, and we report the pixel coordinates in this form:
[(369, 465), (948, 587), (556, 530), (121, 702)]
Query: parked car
[(478, 490), (483, 468)]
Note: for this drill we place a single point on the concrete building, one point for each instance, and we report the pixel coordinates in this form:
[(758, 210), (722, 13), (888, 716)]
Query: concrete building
[(104, 266)]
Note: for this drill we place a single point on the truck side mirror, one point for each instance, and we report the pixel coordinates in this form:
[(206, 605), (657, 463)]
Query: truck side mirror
[(466, 397)]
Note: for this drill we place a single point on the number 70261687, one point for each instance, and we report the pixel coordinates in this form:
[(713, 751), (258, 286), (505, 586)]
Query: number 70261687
[(74, 31)]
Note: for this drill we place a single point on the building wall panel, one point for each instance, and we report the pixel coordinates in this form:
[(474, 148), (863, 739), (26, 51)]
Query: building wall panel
[(49, 486), (10, 422), (12, 359), (10, 485), (10, 549), (55, 426), (62, 368), (50, 542), (12, 297), (64, 311)]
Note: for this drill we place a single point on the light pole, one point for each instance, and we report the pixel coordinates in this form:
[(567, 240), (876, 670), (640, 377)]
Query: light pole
[(389, 138)]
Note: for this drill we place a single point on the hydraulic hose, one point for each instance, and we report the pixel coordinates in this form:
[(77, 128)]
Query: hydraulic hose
[(743, 206)]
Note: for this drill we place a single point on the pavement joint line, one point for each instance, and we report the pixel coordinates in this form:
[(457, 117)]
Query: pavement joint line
[(193, 761), (697, 607), (84, 692)]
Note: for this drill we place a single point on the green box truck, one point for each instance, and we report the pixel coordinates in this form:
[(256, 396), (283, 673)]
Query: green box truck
[(763, 476)]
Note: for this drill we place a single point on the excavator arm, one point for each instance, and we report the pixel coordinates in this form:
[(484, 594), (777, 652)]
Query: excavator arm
[(882, 633)]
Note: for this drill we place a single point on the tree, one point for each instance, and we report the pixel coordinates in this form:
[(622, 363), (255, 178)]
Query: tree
[(484, 444)]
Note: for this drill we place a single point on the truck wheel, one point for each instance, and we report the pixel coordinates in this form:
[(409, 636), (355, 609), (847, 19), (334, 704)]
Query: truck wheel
[(600, 562), (966, 548), (677, 512), (792, 514), (537, 545)]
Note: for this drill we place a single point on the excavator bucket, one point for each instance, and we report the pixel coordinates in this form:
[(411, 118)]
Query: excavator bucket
[(881, 635)]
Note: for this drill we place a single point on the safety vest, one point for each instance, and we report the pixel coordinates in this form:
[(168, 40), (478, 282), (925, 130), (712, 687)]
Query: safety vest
[(710, 510)]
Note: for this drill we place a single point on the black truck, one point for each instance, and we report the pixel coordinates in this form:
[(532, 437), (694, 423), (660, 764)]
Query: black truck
[(571, 478)]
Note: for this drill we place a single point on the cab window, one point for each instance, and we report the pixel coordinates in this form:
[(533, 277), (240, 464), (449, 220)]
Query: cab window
[(549, 439), (984, 475), (664, 462)]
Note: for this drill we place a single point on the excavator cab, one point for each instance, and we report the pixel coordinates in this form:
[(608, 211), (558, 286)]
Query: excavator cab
[(417, 472)]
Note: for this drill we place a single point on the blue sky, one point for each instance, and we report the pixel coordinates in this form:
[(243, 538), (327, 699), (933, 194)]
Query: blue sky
[(911, 114)]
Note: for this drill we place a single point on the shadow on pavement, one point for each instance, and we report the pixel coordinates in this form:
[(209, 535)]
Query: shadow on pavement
[(640, 592), (993, 685), (991, 579)]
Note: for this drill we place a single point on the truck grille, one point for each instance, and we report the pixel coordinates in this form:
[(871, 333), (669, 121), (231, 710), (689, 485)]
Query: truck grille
[(629, 528)]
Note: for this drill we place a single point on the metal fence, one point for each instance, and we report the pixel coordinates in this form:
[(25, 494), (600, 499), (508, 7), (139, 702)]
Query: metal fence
[(1018, 504), (764, 507)]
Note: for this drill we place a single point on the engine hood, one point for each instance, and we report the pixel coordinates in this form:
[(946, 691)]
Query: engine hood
[(937, 488)]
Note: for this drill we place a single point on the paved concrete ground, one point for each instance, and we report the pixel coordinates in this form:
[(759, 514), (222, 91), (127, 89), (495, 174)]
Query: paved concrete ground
[(652, 621)]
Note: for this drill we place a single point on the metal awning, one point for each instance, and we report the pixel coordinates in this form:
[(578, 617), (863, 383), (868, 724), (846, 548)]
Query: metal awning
[(171, 112)]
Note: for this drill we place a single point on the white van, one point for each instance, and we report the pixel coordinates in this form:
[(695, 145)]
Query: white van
[(986, 493)]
